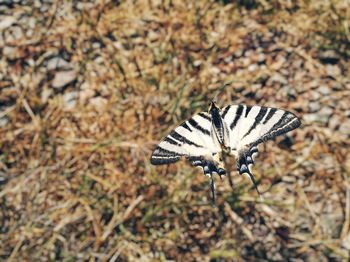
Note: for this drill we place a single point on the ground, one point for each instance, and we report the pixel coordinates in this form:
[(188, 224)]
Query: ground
[(88, 88)]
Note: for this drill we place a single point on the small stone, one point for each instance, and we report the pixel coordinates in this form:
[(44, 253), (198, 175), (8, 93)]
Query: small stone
[(96, 45), (197, 63), (347, 113), (57, 63), (14, 33), (248, 53), (324, 90), (334, 122), (70, 100), (238, 53), (321, 116), (86, 93), (333, 70), (261, 58), (329, 57), (314, 106), (252, 67), (31, 22), (314, 95), (3, 179), (228, 59), (3, 121), (344, 128), (10, 52), (214, 70), (277, 77), (63, 78), (85, 6), (326, 111), (45, 95), (99, 103), (29, 33), (290, 91), (6, 21)]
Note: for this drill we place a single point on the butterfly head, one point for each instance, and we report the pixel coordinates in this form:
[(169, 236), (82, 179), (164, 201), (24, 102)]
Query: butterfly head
[(212, 106)]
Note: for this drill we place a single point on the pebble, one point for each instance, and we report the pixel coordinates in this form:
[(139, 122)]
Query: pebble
[(238, 53), (45, 94), (99, 103), (84, 6), (70, 99), (86, 93), (261, 58), (3, 121), (10, 52), (63, 78), (324, 90), (344, 128), (347, 113), (329, 57), (327, 220), (314, 106), (313, 95), (252, 67), (277, 77), (16, 33), (334, 122), (31, 22), (3, 179), (290, 91), (228, 59), (333, 70), (57, 63), (6, 21), (196, 63), (321, 116)]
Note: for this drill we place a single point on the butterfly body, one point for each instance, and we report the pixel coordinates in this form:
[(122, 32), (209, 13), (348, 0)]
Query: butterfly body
[(236, 130), (219, 129)]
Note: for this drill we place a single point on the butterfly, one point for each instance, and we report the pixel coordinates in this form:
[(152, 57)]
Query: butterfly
[(235, 130)]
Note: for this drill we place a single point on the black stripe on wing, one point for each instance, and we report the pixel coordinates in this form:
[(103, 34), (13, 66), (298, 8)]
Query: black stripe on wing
[(286, 123), (270, 115), (162, 156), (257, 120), (227, 108), (172, 141), (237, 117), (184, 125), (248, 110), (204, 115), (182, 139), (197, 126)]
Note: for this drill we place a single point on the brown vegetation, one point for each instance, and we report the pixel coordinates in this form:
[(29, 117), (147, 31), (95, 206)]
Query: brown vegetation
[(87, 89)]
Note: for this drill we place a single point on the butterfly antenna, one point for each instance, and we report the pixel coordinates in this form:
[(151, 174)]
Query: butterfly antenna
[(212, 188), (221, 89)]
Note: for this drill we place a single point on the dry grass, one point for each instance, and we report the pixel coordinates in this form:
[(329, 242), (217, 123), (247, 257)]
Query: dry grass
[(75, 177)]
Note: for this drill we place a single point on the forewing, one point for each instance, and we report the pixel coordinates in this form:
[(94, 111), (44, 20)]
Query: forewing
[(191, 139)]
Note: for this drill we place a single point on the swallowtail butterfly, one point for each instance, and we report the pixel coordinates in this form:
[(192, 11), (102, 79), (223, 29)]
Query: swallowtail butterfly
[(235, 130)]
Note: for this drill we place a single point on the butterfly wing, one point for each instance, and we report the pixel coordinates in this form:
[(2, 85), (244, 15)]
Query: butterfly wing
[(192, 140), (250, 126)]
